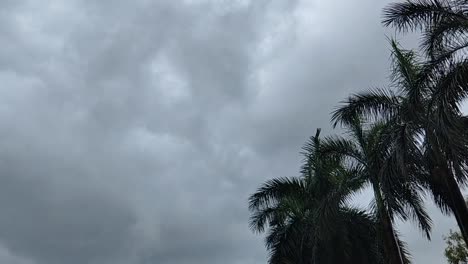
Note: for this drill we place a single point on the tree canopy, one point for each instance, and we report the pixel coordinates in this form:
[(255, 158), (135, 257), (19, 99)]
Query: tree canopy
[(403, 141)]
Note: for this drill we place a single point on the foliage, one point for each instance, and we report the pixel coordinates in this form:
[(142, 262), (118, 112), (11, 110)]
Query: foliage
[(456, 251), (371, 153), (426, 127), (308, 217), (402, 140), (444, 24), (444, 27)]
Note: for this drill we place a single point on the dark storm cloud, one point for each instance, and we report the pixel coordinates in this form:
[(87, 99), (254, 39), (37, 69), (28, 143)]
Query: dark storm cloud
[(133, 131)]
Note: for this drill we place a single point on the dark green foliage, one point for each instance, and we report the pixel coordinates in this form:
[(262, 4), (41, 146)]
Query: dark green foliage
[(426, 128), (308, 217), (444, 24), (403, 140), (456, 251), (373, 156)]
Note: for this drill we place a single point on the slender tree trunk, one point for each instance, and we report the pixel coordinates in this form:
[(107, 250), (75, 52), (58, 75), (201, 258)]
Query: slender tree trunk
[(454, 197), (393, 254), (391, 248), (443, 176)]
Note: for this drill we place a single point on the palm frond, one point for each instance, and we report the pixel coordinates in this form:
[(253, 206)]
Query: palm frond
[(452, 87), (418, 14), (273, 191), (373, 103), (446, 38), (341, 147), (405, 66)]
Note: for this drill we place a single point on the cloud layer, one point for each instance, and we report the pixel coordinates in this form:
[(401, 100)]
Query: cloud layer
[(134, 131)]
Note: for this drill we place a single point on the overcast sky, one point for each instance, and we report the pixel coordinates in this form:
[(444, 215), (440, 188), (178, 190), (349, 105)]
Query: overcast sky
[(132, 132)]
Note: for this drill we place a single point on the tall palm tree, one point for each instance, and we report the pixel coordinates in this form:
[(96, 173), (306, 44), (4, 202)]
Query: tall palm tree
[(308, 218), (371, 153), (429, 131), (444, 24)]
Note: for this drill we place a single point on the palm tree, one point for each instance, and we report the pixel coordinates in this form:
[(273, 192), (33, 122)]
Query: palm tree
[(308, 218), (428, 129), (371, 153), (444, 24)]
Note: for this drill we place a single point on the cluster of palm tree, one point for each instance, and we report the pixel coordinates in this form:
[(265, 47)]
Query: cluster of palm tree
[(404, 141)]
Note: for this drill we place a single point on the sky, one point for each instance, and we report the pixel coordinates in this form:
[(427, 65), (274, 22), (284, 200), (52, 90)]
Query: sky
[(133, 132)]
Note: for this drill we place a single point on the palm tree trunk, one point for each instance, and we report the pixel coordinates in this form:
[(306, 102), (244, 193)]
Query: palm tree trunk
[(455, 198), (391, 248), (443, 176)]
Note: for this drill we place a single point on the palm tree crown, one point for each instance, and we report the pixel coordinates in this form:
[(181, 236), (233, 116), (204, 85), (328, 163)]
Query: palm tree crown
[(444, 24), (372, 154), (308, 217), (427, 127)]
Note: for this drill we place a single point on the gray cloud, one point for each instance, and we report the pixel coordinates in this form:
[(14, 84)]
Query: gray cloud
[(134, 131)]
